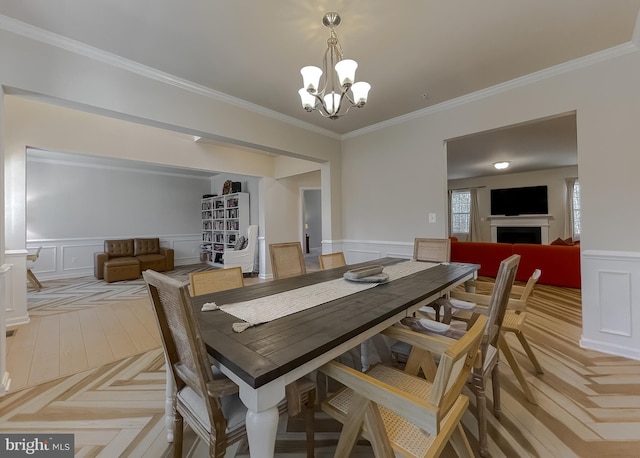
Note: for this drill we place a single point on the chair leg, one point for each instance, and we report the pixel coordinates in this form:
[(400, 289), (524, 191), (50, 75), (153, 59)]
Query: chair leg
[(351, 426), (515, 367), (495, 383), (460, 443), (481, 408), (177, 435), (33, 280), (529, 352), (309, 419)]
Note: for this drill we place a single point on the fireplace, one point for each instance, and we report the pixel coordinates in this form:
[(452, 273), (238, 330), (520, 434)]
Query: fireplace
[(519, 234), (520, 229)]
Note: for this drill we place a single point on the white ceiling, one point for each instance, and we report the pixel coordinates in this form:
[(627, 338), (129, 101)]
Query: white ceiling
[(253, 51)]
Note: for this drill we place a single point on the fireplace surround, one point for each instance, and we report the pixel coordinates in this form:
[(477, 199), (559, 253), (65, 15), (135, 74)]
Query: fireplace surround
[(520, 229)]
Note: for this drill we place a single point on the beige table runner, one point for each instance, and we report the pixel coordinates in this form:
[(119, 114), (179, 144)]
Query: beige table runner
[(269, 308)]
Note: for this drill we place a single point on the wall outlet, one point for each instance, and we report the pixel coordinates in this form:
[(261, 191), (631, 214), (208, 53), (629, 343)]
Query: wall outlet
[(432, 218)]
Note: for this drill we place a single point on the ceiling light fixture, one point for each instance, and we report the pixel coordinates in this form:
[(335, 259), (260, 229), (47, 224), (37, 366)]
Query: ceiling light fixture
[(339, 89), (501, 165)]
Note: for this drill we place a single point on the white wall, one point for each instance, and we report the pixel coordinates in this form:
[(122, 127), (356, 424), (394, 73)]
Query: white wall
[(552, 178), (395, 175), (72, 209)]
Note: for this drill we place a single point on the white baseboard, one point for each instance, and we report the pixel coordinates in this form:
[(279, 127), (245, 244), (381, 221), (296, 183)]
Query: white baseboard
[(626, 352)]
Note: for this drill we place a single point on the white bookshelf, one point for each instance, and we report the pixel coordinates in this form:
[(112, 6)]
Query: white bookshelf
[(224, 219)]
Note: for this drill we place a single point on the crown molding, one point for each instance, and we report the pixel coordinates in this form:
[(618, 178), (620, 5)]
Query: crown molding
[(581, 62), (83, 49), (149, 169)]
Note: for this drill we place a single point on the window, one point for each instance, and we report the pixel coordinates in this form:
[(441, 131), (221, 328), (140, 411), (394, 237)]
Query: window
[(460, 211), (575, 208)]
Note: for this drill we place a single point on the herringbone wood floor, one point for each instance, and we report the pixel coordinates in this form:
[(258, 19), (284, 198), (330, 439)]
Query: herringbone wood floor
[(589, 402)]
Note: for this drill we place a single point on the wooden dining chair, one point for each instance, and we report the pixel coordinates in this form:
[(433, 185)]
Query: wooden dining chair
[(513, 322), (516, 311), (399, 412), (488, 364), (287, 260), (206, 399), (211, 281), (432, 250), (331, 260)]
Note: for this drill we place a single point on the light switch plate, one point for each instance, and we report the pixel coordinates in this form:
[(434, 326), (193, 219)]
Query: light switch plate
[(432, 218)]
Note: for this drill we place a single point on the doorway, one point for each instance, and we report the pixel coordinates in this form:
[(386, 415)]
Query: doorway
[(311, 225)]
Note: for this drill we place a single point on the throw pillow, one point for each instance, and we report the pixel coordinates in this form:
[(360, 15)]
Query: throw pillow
[(559, 241), (241, 241), (569, 241), (245, 243)]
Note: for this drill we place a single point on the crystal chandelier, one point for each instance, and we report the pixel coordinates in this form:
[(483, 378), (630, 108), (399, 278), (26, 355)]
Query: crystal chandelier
[(339, 90)]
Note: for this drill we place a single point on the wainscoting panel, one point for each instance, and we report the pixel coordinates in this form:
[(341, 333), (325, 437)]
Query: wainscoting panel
[(615, 289), (359, 251), (611, 302), (78, 257), (186, 249), (65, 258)]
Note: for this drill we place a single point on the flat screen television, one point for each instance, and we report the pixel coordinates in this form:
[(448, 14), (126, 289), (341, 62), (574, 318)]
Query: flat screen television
[(530, 200)]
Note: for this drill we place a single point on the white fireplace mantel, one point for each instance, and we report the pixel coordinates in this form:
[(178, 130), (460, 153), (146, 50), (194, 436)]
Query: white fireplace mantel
[(541, 221)]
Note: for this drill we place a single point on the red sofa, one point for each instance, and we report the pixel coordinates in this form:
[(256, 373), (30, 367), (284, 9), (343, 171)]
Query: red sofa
[(560, 265)]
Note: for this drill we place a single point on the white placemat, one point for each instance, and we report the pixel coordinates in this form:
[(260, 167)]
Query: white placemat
[(269, 308)]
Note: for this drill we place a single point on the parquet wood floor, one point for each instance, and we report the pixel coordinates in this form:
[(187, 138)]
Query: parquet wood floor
[(589, 402)]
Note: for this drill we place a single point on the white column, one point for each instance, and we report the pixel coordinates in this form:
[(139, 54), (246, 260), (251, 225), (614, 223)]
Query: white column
[(5, 381)]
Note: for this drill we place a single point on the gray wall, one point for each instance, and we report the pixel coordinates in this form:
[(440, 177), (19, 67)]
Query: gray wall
[(72, 201)]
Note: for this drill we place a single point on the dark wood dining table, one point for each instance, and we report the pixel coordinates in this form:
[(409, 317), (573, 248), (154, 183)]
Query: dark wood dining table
[(263, 359)]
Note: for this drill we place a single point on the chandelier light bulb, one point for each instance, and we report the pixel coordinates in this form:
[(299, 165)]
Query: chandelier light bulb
[(311, 77), (360, 92), (307, 99), (346, 70), (332, 102)]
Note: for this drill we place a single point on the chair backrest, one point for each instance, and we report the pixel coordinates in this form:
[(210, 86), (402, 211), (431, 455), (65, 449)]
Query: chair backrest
[(454, 367), (287, 260), (500, 299), (432, 250), (521, 294), (32, 258), (184, 348), (252, 237), (211, 281), (405, 395), (331, 260)]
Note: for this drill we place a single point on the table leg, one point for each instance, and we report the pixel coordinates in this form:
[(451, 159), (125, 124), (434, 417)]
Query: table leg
[(262, 428)]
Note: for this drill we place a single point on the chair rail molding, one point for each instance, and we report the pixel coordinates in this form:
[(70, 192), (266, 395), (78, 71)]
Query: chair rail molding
[(611, 302), (367, 250)]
